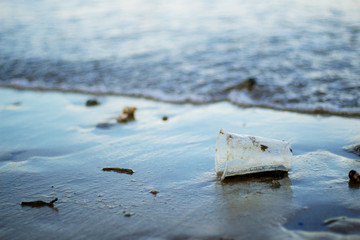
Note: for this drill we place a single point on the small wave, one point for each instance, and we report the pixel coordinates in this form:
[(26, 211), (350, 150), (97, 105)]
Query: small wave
[(303, 61), (244, 100), (241, 99)]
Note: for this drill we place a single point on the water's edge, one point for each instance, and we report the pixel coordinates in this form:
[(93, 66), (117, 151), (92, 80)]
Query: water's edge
[(315, 110)]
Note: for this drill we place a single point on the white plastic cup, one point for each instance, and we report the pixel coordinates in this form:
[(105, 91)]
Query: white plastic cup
[(243, 154)]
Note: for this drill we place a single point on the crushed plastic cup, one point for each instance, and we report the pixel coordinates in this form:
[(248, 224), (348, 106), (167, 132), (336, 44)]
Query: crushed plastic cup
[(237, 154)]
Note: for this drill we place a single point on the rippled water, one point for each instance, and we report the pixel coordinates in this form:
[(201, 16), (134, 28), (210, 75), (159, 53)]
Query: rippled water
[(304, 55)]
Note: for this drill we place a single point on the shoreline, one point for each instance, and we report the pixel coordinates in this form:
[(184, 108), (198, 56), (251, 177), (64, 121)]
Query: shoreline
[(51, 147), (316, 111)]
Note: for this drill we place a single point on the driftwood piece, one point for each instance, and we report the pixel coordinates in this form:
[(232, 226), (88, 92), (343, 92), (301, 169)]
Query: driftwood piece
[(119, 170), (38, 204)]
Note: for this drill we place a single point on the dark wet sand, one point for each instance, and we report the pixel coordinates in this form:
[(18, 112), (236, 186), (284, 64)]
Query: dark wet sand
[(51, 146)]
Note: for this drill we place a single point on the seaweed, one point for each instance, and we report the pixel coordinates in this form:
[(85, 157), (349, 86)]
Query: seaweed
[(263, 147), (104, 125), (38, 204), (119, 170)]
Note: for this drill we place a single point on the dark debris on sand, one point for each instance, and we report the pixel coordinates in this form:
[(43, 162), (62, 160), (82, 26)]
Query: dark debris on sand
[(354, 176), (119, 170), (38, 204), (354, 179), (92, 102)]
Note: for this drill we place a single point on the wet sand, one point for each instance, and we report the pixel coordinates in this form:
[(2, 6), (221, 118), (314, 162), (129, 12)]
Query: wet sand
[(53, 146)]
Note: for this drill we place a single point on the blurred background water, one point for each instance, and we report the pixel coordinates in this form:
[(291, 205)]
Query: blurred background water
[(304, 55)]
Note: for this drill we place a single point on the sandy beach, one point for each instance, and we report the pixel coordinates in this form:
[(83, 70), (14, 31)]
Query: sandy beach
[(53, 146), (74, 165)]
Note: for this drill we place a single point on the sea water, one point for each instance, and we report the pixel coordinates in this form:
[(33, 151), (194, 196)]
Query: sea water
[(304, 55)]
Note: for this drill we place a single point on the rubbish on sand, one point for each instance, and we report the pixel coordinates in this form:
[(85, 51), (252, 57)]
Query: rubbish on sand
[(243, 154), (119, 170), (38, 204)]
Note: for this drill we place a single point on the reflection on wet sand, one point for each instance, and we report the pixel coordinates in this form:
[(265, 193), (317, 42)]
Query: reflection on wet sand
[(354, 185), (254, 204)]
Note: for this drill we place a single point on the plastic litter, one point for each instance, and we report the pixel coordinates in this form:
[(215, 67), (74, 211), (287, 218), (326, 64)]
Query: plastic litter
[(243, 154)]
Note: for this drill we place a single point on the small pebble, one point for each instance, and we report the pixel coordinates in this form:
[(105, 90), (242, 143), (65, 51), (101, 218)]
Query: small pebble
[(92, 102), (354, 176), (154, 192)]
